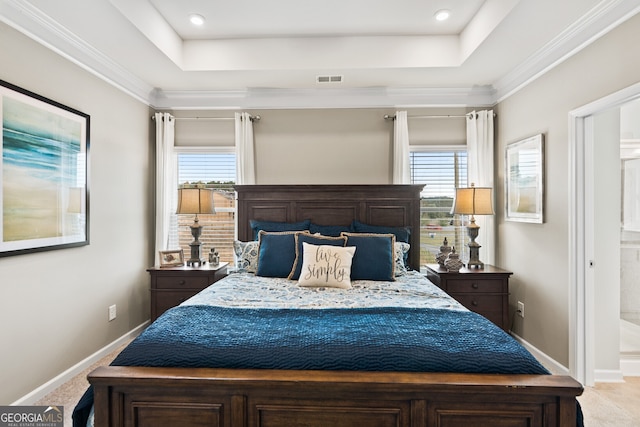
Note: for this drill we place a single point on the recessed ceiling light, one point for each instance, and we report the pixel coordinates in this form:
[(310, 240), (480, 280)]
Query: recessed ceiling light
[(196, 19), (442, 15)]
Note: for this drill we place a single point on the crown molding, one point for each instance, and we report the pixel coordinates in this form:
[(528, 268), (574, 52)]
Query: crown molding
[(379, 97), (35, 24), (604, 17), (475, 96)]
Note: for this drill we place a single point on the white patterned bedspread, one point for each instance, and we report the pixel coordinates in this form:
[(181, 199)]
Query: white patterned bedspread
[(246, 290)]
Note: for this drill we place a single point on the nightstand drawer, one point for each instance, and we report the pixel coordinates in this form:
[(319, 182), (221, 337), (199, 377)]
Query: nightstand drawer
[(171, 286), (166, 299), (494, 316), (482, 290), (475, 285), (480, 303), (183, 282)]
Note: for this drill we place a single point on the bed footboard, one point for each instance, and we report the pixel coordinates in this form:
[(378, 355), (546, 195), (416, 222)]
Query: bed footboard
[(138, 396)]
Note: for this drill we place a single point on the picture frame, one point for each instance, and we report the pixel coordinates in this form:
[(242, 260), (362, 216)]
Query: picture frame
[(524, 180), (44, 185), (171, 258)]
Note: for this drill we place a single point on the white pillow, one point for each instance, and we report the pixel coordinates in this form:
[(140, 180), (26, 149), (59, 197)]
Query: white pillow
[(324, 265)]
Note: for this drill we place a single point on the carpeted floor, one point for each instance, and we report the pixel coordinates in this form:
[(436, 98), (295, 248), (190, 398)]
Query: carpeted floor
[(69, 393), (605, 405)]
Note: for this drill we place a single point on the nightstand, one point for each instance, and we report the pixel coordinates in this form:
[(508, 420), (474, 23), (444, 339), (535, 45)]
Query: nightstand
[(171, 286), (483, 290)]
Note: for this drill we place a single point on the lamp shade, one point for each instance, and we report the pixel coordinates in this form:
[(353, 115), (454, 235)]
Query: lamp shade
[(473, 201), (195, 201)]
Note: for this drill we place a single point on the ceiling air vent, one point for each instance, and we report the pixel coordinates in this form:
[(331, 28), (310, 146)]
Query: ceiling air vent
[(329, 79)]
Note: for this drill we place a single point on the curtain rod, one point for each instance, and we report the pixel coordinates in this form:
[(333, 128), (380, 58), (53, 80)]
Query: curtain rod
[(253, 118), (393, 117)]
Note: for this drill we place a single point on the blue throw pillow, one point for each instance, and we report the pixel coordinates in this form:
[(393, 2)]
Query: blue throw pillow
[(256, 226), (374, 257), (301, 238), (276, 253), (403, 234), (329, 230)]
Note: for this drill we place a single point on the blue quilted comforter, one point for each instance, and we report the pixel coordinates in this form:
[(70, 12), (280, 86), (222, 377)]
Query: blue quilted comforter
[(367, 339)]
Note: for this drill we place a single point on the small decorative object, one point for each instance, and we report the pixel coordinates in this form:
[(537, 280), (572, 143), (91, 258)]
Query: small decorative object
[(173, 258), (453, 263), (441, 257), (214, 258)]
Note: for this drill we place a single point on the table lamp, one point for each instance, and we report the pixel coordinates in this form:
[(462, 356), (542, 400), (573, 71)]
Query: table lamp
[(195, 201), (473, 201)]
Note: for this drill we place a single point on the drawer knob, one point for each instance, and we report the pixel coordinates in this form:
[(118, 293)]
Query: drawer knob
[(474, 303), (182, 282), (474, 285)]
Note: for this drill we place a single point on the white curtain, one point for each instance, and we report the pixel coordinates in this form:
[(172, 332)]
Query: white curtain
[(480, 172), (401, 168), (245, 153), (166, 183)]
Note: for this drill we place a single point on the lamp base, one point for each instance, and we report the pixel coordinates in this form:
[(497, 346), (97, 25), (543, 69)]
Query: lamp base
[(195, 255), (196, 245), (474, 261), (474, 247)]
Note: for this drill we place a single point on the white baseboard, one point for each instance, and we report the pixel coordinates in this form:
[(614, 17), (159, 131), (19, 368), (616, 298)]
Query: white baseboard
[(549, 363), (608, 376), (65, 376), (630, 366)]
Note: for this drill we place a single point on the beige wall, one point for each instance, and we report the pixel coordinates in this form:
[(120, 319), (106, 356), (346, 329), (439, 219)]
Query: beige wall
[(324, 146), (53, 305), (538, 253)]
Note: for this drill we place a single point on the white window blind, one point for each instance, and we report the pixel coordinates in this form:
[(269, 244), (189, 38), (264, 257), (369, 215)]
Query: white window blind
[(442, 171), (217, 171)]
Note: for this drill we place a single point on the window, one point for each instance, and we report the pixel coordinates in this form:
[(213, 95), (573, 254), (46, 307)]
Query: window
[(442, 171), (215, 170)]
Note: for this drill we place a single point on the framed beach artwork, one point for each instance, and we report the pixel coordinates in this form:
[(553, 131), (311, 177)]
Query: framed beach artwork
[(524, 175), (44, 192)]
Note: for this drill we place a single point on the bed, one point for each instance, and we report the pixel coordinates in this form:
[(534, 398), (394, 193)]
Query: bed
[(357, 367)]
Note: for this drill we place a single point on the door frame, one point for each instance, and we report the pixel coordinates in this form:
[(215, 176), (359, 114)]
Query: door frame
[(581, 231)]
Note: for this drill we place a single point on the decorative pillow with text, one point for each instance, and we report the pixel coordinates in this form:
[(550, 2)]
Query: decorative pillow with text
[(328, 266), (312, 240)]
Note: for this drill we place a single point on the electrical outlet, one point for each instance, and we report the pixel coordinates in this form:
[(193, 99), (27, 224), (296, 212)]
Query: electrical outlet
[(521, 309), (112, 312)]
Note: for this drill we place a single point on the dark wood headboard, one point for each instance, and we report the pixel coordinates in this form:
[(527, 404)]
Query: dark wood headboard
[(388, 205)]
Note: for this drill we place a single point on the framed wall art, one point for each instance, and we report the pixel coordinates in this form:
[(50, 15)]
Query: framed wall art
[(524, 175), (44, 190)]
